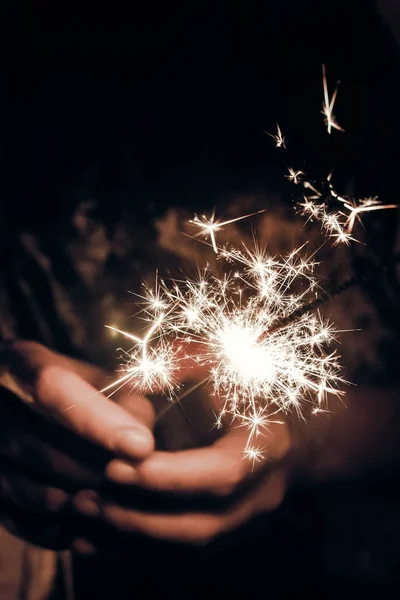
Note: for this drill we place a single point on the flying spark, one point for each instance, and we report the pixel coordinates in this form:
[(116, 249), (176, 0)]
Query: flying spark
[(279, 139), (328, 104), (339, 222), (148, 367), (209, 226), (294, 176)]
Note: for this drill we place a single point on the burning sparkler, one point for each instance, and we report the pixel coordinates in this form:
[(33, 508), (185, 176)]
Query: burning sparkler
[(260, 364), (255, 329)]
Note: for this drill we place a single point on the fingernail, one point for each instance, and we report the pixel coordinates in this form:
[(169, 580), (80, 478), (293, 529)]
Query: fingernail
[(120, 472), (135, 443), (88, 503)]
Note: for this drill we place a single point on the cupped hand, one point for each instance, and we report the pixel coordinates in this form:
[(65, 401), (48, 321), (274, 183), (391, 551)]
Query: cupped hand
[(241, 488), (57, 431)]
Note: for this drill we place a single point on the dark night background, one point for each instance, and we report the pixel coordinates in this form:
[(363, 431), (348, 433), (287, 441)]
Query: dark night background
[(166, 106)]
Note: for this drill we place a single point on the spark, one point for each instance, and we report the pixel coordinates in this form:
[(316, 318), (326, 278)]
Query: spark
[(328, 104), (147, 368), (364, 205), (308, 185), (279, 139), (310, 208), (318, 411), (260, 363), (253, 454), (209, 226), (294, 176), (338, 223)]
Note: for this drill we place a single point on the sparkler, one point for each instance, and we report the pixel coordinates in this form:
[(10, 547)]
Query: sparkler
[(260, 363), (256, 329)]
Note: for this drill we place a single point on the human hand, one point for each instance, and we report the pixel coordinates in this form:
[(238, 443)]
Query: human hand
[(239, 488), (57, 431)]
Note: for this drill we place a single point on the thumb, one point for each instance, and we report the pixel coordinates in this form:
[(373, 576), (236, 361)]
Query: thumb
[(60, 393)]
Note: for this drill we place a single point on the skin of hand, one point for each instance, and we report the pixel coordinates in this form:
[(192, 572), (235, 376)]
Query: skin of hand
[(353, 440), (58, 439), (57, 433), (216, 489), (205, 491)]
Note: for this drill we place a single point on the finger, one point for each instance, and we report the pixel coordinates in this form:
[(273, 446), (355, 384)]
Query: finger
[(190, 471), (27, 493), (138, 407), (75, 404), (27, 358), (218, 469), (47, 449), (194, 527)]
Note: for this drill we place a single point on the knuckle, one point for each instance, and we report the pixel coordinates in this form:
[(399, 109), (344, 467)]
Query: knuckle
[(55, 500)]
